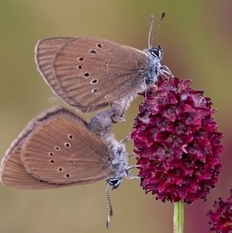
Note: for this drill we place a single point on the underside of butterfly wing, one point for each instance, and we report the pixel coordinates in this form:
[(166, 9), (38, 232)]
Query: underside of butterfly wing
[(27, 163), (89, 73), (61, 150)]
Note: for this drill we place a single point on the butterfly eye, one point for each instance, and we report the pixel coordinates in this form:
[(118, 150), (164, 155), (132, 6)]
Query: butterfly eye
[(157, 52), (115, 182)]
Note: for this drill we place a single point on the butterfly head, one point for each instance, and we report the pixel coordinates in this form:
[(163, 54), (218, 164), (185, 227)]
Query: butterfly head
[(156, 52), (119, 164), (153, 69)]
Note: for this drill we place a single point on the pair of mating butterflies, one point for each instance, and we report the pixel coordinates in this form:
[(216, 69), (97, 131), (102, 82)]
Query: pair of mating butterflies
[(58, 148)]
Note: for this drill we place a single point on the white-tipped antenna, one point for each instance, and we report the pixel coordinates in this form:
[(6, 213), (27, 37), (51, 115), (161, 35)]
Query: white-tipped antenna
[(150, 39), (109, 209)]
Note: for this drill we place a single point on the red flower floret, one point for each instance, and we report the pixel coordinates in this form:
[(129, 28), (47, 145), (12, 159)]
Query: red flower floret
[(177, 144), (221, 218)]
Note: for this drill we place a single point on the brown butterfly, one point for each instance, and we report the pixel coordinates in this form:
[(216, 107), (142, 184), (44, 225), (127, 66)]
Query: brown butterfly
[(90, 73), (59, 149)]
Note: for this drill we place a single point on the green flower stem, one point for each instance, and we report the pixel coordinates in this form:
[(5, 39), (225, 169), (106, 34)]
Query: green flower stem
[(178, 217)]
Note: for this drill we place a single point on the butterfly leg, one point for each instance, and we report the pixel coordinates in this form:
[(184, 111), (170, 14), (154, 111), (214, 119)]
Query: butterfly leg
[(128, 175), (126, 139)]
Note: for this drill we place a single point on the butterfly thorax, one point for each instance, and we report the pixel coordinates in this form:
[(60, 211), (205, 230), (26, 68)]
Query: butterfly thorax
[(153, 68)]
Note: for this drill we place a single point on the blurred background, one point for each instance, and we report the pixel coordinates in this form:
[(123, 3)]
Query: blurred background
[(196, 37)]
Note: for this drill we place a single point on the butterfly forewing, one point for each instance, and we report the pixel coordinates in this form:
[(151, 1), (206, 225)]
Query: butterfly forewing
[(89, 73), (63, 159)]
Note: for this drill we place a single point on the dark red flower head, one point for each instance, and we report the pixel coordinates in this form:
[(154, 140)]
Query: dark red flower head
[(221, 217), (177, 143)]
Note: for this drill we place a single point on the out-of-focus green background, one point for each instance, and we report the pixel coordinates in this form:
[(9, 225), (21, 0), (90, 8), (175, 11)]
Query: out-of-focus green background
[(197, 41)]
